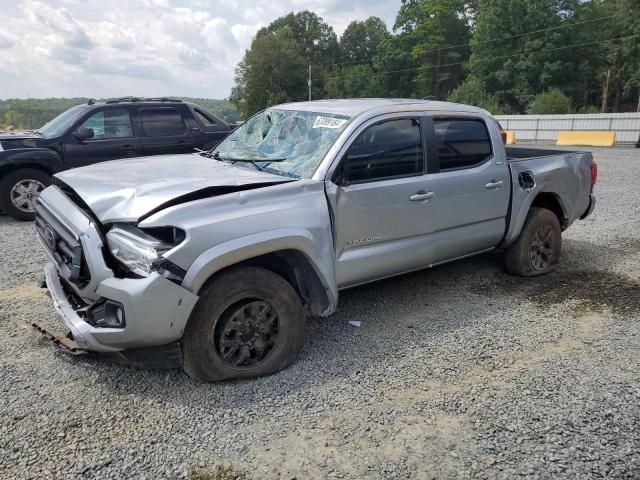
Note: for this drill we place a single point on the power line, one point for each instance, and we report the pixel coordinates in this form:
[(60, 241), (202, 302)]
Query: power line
[(494, 58), (518, 35)]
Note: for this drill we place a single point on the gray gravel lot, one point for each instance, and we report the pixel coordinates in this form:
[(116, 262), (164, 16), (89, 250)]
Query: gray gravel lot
[(457, 372)]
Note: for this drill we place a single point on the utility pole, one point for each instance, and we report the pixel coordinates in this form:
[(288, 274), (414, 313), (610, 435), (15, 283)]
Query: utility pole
[(309, 82), (605, 93)]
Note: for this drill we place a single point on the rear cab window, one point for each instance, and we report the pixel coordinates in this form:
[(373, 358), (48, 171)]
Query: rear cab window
[(462, 142), (162, 121)]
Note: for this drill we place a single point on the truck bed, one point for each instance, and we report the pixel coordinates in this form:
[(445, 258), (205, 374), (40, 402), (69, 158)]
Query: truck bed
[(564, 174), (517, 154)]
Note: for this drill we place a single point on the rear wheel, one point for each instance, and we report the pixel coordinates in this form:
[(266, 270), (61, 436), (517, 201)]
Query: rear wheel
[(19, 191), (537, 249), (248, 322)]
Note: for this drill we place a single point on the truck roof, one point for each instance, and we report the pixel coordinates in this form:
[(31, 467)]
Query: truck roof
[(358, 106)]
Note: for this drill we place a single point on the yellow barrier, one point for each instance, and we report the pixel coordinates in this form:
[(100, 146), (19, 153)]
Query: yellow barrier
[(591, 139), (511, 138)]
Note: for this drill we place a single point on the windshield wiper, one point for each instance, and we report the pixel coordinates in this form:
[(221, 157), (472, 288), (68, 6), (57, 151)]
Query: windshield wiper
[(252, 161)]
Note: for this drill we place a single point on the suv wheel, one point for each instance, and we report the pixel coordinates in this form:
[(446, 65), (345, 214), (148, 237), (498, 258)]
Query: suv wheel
[(537, 249), (19, 191), (248, 322)]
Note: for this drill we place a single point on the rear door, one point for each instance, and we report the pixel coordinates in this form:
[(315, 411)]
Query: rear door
[(377, 194), (164, 130), (470, 186), (113, 137)]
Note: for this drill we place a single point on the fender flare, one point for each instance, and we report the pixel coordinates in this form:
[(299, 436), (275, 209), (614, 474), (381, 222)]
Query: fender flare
[(39, 158), (518, 220), (245, 248)]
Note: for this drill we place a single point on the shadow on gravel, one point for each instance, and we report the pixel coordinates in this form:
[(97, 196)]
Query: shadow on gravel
[(598, 285)]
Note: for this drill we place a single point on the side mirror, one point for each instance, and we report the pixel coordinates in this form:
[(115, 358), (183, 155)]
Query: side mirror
[(83, 133)]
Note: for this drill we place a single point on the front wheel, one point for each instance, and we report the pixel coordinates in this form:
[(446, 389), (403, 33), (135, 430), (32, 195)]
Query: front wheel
[(248, 322), (537, 249), (19, 191)]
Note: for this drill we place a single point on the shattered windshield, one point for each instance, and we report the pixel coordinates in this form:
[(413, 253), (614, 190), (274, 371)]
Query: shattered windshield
[(294, 141)]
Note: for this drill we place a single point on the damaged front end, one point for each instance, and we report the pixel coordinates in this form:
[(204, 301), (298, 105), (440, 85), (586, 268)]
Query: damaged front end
[(114, 292)]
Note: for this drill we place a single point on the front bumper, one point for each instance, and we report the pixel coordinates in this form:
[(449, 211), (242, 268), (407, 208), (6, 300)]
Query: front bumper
[(156, 310), (592, 206)]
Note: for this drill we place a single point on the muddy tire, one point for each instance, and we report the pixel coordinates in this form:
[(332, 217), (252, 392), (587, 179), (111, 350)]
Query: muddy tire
[(248, 322), (20, 189), (537, 249)]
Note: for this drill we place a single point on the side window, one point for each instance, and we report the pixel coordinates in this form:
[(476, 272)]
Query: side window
[(162, 121), (110, 123), (462, 143), (385, 150), (204, 118)]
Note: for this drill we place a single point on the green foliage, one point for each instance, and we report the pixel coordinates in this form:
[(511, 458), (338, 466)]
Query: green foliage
[(431, 28), (354, 81), (35, 112), (551, 102), (474, 92), (274, 69), (360, 40)]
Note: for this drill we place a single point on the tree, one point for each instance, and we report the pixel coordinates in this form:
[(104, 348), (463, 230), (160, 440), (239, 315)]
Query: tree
[(360, 40), (433, 27), (474, 92), (551, 102), (272, 71), (354, 81), (516, 68), (396, 66)]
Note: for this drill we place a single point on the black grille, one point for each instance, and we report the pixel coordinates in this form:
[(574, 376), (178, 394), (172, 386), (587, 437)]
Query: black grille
[(63, 246)]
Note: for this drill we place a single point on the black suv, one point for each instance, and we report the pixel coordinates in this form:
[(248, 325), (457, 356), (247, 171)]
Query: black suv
[(95, 132)]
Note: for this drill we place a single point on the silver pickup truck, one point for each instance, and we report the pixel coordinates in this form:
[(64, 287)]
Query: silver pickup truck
[(213, 261)]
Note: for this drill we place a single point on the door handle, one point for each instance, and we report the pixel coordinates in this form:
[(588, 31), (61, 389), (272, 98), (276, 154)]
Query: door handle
[(127, 147), (494, 185), (421, 196)]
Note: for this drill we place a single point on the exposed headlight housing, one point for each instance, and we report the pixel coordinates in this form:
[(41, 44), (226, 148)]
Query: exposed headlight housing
[(140, 252)]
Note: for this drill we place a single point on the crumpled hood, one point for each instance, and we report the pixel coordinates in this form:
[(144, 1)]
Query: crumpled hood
[(126, 190)]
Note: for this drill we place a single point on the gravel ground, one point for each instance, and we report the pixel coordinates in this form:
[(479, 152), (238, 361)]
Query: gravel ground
[(457, 372)]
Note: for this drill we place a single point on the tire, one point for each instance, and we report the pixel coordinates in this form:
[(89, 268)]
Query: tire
[(537, 249), (228, 314), (21, 206)]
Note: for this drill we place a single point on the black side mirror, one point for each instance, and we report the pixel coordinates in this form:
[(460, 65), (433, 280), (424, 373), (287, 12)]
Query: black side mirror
[(83, 133)]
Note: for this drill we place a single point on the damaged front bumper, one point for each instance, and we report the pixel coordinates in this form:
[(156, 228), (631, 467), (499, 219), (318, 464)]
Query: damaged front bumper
[(154, 310)]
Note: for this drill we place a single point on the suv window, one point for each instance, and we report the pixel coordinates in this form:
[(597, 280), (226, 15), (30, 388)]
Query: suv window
[(110, 123), (204, 118), (385, 150), (462, 143), (161, 121)]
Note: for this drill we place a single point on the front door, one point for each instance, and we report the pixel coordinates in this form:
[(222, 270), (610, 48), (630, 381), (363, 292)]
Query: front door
[(113, 138), (380, 202)]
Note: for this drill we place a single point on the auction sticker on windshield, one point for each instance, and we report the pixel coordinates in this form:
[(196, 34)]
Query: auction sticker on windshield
[(328, 122)]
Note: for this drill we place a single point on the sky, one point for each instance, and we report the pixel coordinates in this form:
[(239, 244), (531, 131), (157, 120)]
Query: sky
[(100, 48)]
